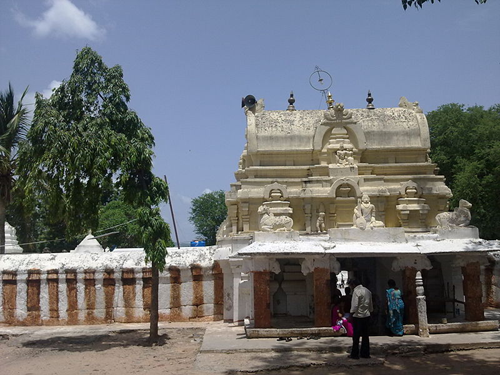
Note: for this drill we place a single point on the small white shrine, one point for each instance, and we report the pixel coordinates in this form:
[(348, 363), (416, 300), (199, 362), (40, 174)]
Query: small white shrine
[(11, 243)]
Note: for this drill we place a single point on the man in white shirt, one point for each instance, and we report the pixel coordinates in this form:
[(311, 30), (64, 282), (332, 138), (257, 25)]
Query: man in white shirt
[(361, 307)]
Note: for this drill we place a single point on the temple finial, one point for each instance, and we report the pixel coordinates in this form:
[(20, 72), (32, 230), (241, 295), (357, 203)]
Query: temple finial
[(330, 100), (291, 101), (369, 100)]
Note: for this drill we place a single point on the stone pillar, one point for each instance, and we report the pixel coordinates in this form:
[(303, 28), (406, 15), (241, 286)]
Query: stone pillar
[(128, 290), (409, 294), (89, 293), (474, 309), (109, 284), (423, 326), (198, 300), (236, 273), (53, 294), (322, 297), (175, 293), (33, 297), (71, 296), (262, 299), (9, 296), (218, 291)]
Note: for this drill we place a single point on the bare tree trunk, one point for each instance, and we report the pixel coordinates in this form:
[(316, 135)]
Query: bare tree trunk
[(3, 208), (153, 313)]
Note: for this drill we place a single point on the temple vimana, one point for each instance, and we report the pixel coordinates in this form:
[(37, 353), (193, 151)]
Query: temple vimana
[(319, 196)]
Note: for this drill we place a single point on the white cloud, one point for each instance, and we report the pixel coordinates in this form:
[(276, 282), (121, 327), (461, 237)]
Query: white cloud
[(63, 20), (206, 191), (184, 199), (29, 98), (47, 93)]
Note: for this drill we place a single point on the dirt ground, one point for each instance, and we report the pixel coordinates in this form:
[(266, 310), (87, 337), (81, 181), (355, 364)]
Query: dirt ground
[(128, 353)]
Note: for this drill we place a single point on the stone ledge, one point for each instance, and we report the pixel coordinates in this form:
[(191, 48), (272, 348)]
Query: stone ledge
[(485, 325)]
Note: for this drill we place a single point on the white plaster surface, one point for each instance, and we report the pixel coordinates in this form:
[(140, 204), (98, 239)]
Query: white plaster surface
[(138, 294), (44, 297), (21, 296), (182, 258), (80, 296), (100, 306), (63, 298)]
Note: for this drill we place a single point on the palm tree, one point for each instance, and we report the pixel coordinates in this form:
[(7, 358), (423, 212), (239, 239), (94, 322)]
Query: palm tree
[(13, 122)]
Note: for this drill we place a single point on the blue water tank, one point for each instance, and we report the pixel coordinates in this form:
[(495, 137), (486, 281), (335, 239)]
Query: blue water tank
[(198, 243)]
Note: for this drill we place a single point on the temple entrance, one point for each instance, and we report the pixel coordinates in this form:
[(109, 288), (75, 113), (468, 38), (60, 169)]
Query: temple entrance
[(434, 287), (291, 296)]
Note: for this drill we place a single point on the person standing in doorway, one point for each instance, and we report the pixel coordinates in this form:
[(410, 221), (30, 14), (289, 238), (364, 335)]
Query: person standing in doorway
[(361, 307), (395, 309)]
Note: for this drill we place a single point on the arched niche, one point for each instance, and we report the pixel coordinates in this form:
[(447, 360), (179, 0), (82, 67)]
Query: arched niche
[(323, 131), (275, 186), (345, 182)]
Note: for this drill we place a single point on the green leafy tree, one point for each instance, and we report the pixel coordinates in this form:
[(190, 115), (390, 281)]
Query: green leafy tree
[(13, 122), (466, 147), (420, 3), (122, 218), (207, 213), (82, 139)]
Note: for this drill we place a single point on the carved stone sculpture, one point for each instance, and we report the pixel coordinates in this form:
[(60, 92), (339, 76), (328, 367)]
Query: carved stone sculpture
[(344, 155), (460, 217), (271, 223), (364, 214), (320, 223)]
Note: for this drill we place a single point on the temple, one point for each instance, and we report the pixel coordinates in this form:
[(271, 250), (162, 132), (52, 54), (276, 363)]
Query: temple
[(322, 195)]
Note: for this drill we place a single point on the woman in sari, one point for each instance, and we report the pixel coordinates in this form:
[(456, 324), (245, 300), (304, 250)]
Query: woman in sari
[(395, 309)]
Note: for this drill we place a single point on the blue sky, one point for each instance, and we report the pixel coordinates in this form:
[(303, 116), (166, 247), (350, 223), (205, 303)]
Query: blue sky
[(188, 63)]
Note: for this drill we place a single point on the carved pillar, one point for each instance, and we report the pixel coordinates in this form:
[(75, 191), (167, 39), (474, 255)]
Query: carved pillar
[(409, 294), (423, 326), (232, 213), (410, 264), (245, 217), (236, 279), (322, 297), (262, 299), (332, 216), (308, 215), (474, 309), (321, 267)]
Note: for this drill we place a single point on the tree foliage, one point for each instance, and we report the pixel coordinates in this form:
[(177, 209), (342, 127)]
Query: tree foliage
[(83, 140), (13, 123), (122, 218), (207, 213), (466, 147), (420, 3)]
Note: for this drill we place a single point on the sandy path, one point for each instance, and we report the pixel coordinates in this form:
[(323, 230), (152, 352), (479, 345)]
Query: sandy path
[(127, 353)]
